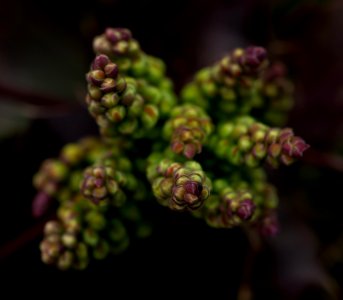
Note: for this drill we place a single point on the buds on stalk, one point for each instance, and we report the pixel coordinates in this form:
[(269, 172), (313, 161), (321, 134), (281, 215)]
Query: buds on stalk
[(247, 142), (180, 186), (231, 208), (102, 184), (242, 83), (188, 128)]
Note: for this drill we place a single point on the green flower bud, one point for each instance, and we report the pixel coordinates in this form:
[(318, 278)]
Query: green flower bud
[(143, 230), (96, 220), (90, 237), (72, 154), (53, 227), (65, 260), (69, 240), (101, 250), (150, 116), (117, 231), (116, 114)]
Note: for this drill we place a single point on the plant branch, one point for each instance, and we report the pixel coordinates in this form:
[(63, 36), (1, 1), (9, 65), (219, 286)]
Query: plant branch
[(35, 105), (24, 238)]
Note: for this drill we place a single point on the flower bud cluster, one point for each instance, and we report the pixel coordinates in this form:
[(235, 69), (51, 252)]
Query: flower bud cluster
[(179, 186), (242, 83), (226, 114), (245, 141), (188, 129)]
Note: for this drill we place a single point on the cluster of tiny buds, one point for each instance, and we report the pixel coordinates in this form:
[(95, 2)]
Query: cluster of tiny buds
[(129, 95), (246, 141), (101, 183), (104, 87), (188, 129), (116, 41), (180, 186), (244, 62), (189, 190)]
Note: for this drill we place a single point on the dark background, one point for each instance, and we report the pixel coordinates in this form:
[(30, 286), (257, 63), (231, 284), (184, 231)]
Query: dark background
[(45, 50)]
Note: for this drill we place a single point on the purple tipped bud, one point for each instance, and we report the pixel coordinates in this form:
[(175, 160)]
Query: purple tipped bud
[(246, 209), (254, 56), (125, 33), (285, 135), (108, 85), (269, 225), (111, 70), (295, 147), (100, 62), (190, 150), (177, 147), (112, 35), (194, 188), (95, 77)]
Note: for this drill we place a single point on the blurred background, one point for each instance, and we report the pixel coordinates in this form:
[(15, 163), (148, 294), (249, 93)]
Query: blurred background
[(45, 50)]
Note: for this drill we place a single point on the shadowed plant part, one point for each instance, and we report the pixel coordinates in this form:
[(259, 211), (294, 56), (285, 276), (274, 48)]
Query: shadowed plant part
[(201, 153)]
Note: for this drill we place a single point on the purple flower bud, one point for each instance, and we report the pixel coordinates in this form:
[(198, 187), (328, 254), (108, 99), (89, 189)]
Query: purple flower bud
[(190, 150), (295, 147), (95, 77), (254, 56), (108, 85), (112, 35), (285, 134), (115, 35), (111, 70), (125, 33), (269, 225), (193, 187), (245, 209), (100, 62)]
